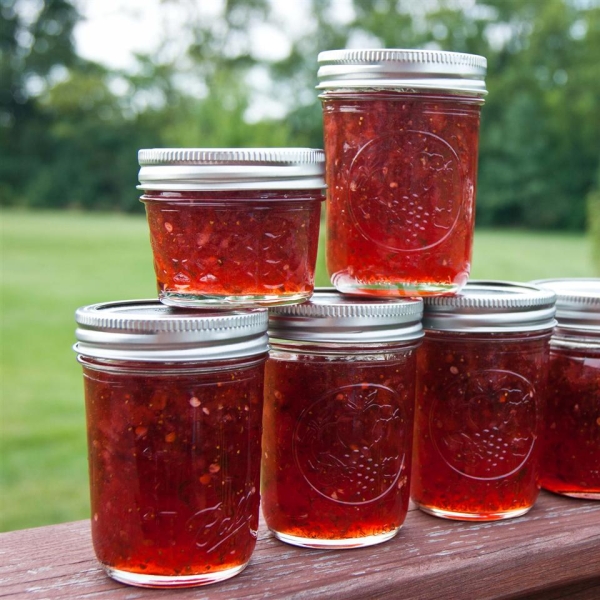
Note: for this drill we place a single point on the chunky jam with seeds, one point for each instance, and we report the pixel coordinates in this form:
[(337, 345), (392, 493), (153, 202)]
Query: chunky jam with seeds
[(174, 465), (235, 247), (337, 444), (478, 420), (401, 171), (571, 457)]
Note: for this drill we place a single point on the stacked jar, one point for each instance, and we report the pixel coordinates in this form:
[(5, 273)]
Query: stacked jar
[(174, 389), (174, 408), (401, 140), (571, 457), (480, 401), (338, 421), (233, 228)]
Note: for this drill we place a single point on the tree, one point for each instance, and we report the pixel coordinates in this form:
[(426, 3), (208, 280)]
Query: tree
[(32, 55), (69, 140)]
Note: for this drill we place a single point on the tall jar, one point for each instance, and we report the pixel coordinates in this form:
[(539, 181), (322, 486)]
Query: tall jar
[(401, 131), (174, 409), (338, 421), (233, 227), (481, 384), (571, 457)]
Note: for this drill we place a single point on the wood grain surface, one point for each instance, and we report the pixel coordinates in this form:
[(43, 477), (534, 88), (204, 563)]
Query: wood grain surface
[(552, 552)]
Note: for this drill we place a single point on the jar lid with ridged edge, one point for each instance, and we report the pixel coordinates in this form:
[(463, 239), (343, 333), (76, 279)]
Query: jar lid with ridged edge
[(332, 317), (577, 302), (148, 331), (492, 307), (405, 69), (197, 169)]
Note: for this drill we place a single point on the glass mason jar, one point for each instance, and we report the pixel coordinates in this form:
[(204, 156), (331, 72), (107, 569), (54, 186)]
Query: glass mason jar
[(481, 382), (338, 421), (233, 227), (401, 131), (571, 456), (174, 410)]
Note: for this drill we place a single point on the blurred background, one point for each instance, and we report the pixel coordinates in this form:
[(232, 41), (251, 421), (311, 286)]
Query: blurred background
[(85, 83)]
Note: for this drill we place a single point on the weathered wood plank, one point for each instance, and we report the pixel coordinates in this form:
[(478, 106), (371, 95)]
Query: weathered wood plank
[(552, 552)]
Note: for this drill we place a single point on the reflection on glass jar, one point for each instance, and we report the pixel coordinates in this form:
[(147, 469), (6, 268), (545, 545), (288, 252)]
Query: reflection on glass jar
[(338, 420), (233, 228), (401, 132), (571, 456), (481, 386), (174, 410)]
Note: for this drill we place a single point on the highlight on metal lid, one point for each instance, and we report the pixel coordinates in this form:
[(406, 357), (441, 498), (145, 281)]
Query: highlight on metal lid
[(197, 169), (492, 306), (148, 331), (577, 301), (408, 69), (332, 317)]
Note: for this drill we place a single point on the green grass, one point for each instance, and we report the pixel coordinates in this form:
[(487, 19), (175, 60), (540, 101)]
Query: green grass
[(53, 262), (525, 255)]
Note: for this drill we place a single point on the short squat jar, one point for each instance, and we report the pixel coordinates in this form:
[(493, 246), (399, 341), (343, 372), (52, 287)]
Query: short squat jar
[(174, 409), (571, 456), (338, 422), (482, 373), (401, 131), (233, 227)]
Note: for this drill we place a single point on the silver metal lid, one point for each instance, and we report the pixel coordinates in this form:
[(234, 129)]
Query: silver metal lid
[(197, 169), (332, 317), (148, 331), (490, 307), (577, 302), (406, 69)]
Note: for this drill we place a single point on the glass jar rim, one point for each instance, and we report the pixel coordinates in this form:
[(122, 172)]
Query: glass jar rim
[(331, 317), (408, 69), (148, 331), (577, 302), (492, 306), (179, 169)]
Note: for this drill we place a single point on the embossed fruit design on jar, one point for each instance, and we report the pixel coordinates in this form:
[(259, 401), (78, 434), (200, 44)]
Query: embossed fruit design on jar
[(233, 228), (401, 131), (338, 422), (571, 455), (174, 411), (481, 384), (492, 428)]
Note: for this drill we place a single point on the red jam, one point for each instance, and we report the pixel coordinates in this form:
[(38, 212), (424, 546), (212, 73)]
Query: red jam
[(174, 469), (234, 248), (401, 170), (337, 447), (478, 418), (571, 458)]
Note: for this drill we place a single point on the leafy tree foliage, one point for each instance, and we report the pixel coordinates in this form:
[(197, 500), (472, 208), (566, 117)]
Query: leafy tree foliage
[(64, 140), (69, 129)]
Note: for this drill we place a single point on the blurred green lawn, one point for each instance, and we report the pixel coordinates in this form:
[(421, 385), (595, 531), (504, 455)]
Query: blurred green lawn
[(53, 262)]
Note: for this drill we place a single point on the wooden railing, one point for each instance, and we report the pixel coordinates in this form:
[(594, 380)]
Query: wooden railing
[(552, 552)]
